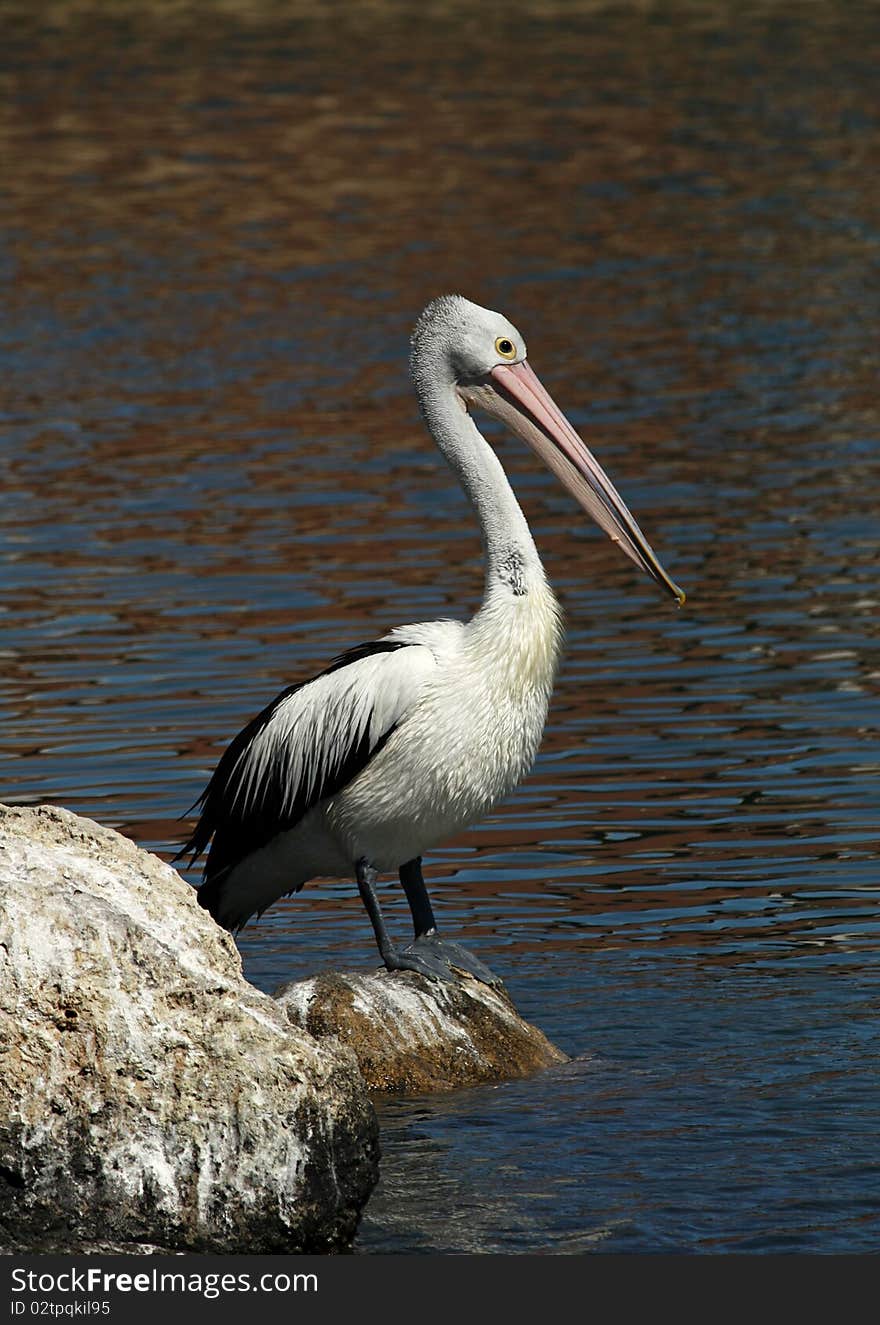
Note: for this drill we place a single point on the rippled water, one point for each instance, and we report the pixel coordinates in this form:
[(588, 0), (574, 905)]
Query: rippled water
[(218, 225)]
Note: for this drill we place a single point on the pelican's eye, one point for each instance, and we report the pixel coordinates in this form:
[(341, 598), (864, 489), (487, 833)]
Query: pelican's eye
[(505, 348)]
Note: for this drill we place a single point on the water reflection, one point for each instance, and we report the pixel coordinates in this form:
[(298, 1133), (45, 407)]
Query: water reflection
[(216, 236)]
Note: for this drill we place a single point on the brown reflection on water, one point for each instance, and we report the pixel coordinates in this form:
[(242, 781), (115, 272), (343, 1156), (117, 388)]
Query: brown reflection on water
[(281, 144), (219, 224)]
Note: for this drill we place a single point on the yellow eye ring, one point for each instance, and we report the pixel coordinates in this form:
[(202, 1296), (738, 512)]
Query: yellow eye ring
[(505, 347)]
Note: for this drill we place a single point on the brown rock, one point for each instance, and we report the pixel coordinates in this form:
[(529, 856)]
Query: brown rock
[(412, 1035)]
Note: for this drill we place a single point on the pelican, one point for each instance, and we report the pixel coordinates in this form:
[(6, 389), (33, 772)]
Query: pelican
[(401, 742)]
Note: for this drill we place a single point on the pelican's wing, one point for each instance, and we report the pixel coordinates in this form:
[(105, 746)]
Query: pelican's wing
[(308, 744)]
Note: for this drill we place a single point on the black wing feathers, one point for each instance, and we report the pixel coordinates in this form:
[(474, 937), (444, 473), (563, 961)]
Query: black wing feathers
[(271, 809)]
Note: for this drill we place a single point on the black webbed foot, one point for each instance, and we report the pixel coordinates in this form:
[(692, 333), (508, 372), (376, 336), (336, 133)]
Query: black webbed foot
[(443, 957), (423, 963)]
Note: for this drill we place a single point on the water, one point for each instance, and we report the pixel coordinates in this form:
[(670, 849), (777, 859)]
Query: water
[(218, 225)]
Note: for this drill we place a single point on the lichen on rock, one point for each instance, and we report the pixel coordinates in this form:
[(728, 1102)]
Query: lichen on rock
[(413, 1035), (148, 1094)]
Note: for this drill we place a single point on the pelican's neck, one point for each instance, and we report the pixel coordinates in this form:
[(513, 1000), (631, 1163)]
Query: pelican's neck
[(512, 560)]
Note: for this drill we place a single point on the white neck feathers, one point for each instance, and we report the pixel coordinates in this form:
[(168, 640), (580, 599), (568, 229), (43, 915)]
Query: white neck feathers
[(511, 556)]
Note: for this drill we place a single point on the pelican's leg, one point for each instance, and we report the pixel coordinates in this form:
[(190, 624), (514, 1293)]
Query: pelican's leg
[(427, 940), (417, 896), (426, 963)]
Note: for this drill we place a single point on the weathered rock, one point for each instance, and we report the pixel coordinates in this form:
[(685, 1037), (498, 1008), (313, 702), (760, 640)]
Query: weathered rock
[(148, 1093), (412, 1035)]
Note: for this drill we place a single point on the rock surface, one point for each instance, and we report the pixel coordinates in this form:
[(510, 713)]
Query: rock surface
[(412, 1035), (148, 1093)]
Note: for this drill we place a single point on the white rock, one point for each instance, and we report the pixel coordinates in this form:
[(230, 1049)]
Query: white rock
[(148, 1093)]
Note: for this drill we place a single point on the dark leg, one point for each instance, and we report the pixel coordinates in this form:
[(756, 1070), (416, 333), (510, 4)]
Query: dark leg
[(366, 881), (427, 941), (426, 963), (417, 896)]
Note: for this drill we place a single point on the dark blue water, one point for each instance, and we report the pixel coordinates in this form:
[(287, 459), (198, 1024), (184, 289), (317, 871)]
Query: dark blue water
[(216, 238)]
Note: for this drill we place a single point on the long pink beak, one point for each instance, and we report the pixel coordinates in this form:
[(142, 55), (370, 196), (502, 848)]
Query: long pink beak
[(534, 416)]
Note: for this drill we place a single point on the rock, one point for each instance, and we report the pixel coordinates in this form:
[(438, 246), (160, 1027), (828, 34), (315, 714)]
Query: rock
[(149, 1096), (411, 1034)]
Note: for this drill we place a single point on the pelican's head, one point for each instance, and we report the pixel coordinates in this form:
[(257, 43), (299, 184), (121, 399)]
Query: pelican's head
[(482, 357)]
